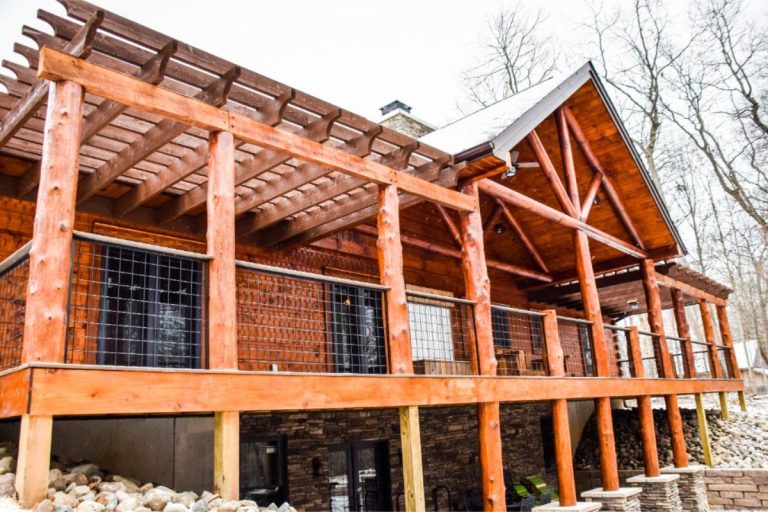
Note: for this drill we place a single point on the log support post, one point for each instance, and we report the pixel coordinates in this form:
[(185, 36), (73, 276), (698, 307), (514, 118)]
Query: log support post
[(644, 410), (477, 288), (555, 361), (723, 405), (603, 415), (390, 254), (709, 335), (701, 417), (222, 304), (683, 332), (50, 261), (656, 322), (727, 336)]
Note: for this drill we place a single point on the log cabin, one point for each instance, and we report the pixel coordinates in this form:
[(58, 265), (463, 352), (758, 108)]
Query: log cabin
[(361, 319)]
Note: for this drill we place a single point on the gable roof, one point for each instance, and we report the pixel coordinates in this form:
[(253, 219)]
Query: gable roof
[(498, 128)]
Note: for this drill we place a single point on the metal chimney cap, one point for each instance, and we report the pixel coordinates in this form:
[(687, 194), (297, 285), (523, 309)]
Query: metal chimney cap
[(395, 105)]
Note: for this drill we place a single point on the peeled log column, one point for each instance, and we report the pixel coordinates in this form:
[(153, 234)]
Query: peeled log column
[(684, 332), (656, 321), (556, 363), (644, 410), (603, 417), (478, 289), (390, 253), (50, 261), (709, 335)]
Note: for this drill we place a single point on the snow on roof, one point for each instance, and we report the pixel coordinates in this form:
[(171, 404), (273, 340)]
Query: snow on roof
[(487, 123)]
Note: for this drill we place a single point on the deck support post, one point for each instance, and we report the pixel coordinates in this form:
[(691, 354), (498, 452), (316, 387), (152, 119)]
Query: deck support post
[(701, 417), (709, 336), (222, 304), (566, 481), (390, 255), (734, 372), (644, 410), (50, 261), (723, 405), (603, 417), (684, 332), (656, 321), (477, 288), (34, 459), (226, 455)]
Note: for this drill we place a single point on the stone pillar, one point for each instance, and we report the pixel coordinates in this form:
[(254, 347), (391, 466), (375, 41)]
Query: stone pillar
[(691, 487), (660, 493), (581, 506), (625, 499)]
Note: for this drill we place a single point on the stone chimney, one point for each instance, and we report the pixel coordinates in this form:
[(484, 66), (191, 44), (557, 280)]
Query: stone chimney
[(397, 116)]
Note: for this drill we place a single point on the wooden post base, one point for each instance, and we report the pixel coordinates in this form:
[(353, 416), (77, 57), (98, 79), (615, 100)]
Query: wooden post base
[(607, 444), (226, 455), (743, 401), (34, 459), (679, 450), (491, 458), (724, 405), (413, 475), (701, 416)]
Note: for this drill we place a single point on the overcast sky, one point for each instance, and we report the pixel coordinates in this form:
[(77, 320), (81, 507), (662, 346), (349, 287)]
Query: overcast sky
[(357, 54)]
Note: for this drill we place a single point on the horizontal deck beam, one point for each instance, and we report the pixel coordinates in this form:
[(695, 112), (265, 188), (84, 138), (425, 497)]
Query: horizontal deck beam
[(128, 90), (59, 390)]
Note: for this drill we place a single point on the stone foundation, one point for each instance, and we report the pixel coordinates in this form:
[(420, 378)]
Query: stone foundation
[(660, 493), (626, 499), (578, 507), (691, 487), (737, 488)]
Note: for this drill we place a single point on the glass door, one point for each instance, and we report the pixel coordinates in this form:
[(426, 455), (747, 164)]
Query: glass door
[(359, 477)]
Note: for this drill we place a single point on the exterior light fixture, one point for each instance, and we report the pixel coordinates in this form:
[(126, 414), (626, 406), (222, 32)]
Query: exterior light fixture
[(499, 228), (633, 304)]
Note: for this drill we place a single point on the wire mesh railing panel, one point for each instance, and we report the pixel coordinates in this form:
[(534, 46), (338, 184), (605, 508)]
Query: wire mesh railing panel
[(576, 342), (134, 306), (675, 347), (298, 322), (518, 341), (13, 299), (442, 334), (725, 362), (650, 354), (619, 353), (701, 359)]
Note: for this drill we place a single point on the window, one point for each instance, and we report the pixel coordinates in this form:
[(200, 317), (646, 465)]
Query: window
[(150, 310), (431, 333), (358, 330), (358, 477), (263, 469)]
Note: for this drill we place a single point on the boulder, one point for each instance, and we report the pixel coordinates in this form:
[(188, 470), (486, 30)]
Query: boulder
[(88, 470), (187, 498), (64, 499), (8, 485), (228, 506), (90, 506), (56, 480), (175, 507), (128, 504), (7, 465), (158, 497), (45, 506)]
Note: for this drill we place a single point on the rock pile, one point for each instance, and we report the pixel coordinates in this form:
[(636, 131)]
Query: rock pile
[(85, 487), (737, 442)]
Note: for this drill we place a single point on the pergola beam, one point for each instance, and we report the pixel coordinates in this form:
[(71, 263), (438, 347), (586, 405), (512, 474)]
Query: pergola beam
[(152, 72), (519, 200), (522, 236), (80, 46), (551, 173), (156, 137), (101, 81)]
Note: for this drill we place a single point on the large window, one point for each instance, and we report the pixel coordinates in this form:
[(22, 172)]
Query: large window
[(358, 478), (150, 311), (358, 333)]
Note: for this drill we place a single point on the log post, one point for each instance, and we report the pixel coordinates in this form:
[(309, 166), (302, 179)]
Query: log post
[(588, 286), (727, 336), (390, 254), (684, 332), (477, 288), (50, 261), (644, 410), (656, 321), (555, 361), (709, 336), (222, 304), (701, 417)]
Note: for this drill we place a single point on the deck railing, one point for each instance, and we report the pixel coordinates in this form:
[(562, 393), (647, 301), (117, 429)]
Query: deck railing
[(518, 340), (134, 304), (675, 347), (701, 359), (723, 356), (14, 274), (576, 342), (302, 322), (442, 334), (650, 353), (620, 353)]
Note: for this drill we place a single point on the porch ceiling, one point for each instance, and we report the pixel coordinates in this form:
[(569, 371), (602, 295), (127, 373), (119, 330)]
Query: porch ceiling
[(133, 161)]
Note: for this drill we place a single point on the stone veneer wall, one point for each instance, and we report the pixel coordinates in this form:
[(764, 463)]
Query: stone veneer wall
[(449, 446), (737, 488)]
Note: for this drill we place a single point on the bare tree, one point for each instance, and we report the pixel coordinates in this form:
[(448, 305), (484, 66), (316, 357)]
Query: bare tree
[(635, 51), (516, 53)]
